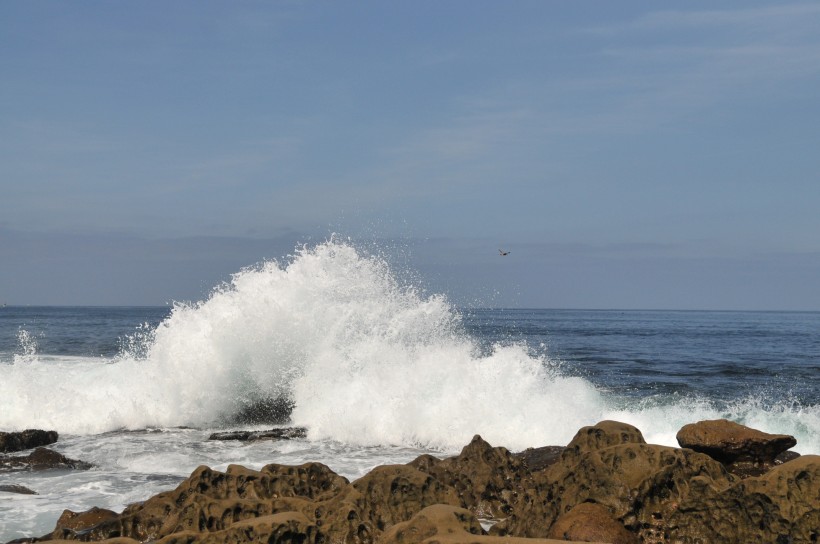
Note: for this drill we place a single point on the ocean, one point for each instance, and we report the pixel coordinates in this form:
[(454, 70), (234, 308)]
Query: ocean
[(377, 370)]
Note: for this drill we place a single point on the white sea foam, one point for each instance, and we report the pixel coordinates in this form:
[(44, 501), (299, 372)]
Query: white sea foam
[(365, 359)]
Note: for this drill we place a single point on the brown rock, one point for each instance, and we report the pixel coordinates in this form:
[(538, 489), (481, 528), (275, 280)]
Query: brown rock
[(442, 524), (654, 494), (732, 443), (83, 521), (282, 528), (488, 480), (26, 440), (598, 436), (590, 522), (431, 521), (609, 464), (395, 493), (782, 505)]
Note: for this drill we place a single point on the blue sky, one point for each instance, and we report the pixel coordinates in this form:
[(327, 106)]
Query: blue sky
[(628, 154)]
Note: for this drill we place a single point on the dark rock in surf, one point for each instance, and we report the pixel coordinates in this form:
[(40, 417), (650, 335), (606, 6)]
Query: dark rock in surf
[(13, 488), (41, 459), (536, 459), (742, 449), (26, 440), (286, 433)]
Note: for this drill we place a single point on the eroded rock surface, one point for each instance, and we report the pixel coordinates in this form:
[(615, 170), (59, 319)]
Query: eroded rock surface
[(590, 522), (608, 485)]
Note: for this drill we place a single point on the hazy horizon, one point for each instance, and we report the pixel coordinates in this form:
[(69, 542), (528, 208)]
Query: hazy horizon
[(628, 155)]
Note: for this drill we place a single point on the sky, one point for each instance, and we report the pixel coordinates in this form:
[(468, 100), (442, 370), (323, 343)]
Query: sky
[(652, 155)]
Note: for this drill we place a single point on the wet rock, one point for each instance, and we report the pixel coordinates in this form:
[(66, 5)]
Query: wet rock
[(26, 440), (285, 433), (41, 459), (536, 459), (590, 522), (13, 488), (741, 448)]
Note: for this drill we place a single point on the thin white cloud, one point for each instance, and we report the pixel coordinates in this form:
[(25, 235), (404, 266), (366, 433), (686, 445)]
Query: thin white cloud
[(753, 17)]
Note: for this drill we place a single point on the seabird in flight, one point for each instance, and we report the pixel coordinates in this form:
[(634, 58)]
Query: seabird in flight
[(503, 252)]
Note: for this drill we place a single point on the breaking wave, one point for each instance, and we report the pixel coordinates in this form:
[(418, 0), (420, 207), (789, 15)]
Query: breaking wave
[(332, 340)]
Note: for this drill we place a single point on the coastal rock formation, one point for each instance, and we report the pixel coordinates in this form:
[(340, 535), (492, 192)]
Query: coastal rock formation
[(741, 449), (41, 459), (488, 480), (607, 485), (26, 440), (611, 465), (782, 505)]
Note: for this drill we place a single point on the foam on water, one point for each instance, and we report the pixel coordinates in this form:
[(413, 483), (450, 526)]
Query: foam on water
[(363, 358)]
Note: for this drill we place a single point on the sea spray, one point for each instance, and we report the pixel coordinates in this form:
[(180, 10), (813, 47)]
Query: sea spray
[(334, 340)]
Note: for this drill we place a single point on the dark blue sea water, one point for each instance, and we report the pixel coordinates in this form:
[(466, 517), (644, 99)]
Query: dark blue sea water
[(717, 355)]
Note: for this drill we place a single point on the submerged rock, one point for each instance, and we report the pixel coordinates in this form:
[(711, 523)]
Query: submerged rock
[(13, 488), (286, 433), (26, 440), (41, 459)]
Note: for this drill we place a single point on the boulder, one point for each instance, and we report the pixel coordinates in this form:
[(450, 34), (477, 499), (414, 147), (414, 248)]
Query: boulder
[(84, 521), (26, 440), (733, 444), (590, 522)]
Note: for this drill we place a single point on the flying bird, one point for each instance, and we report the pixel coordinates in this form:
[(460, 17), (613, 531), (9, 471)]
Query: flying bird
[(502, 253)]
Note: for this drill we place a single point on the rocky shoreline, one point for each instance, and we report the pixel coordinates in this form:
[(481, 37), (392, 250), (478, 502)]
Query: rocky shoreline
[(726, 484)]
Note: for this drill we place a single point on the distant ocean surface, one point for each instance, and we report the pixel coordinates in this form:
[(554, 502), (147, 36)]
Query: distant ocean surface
[(377, 370)]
